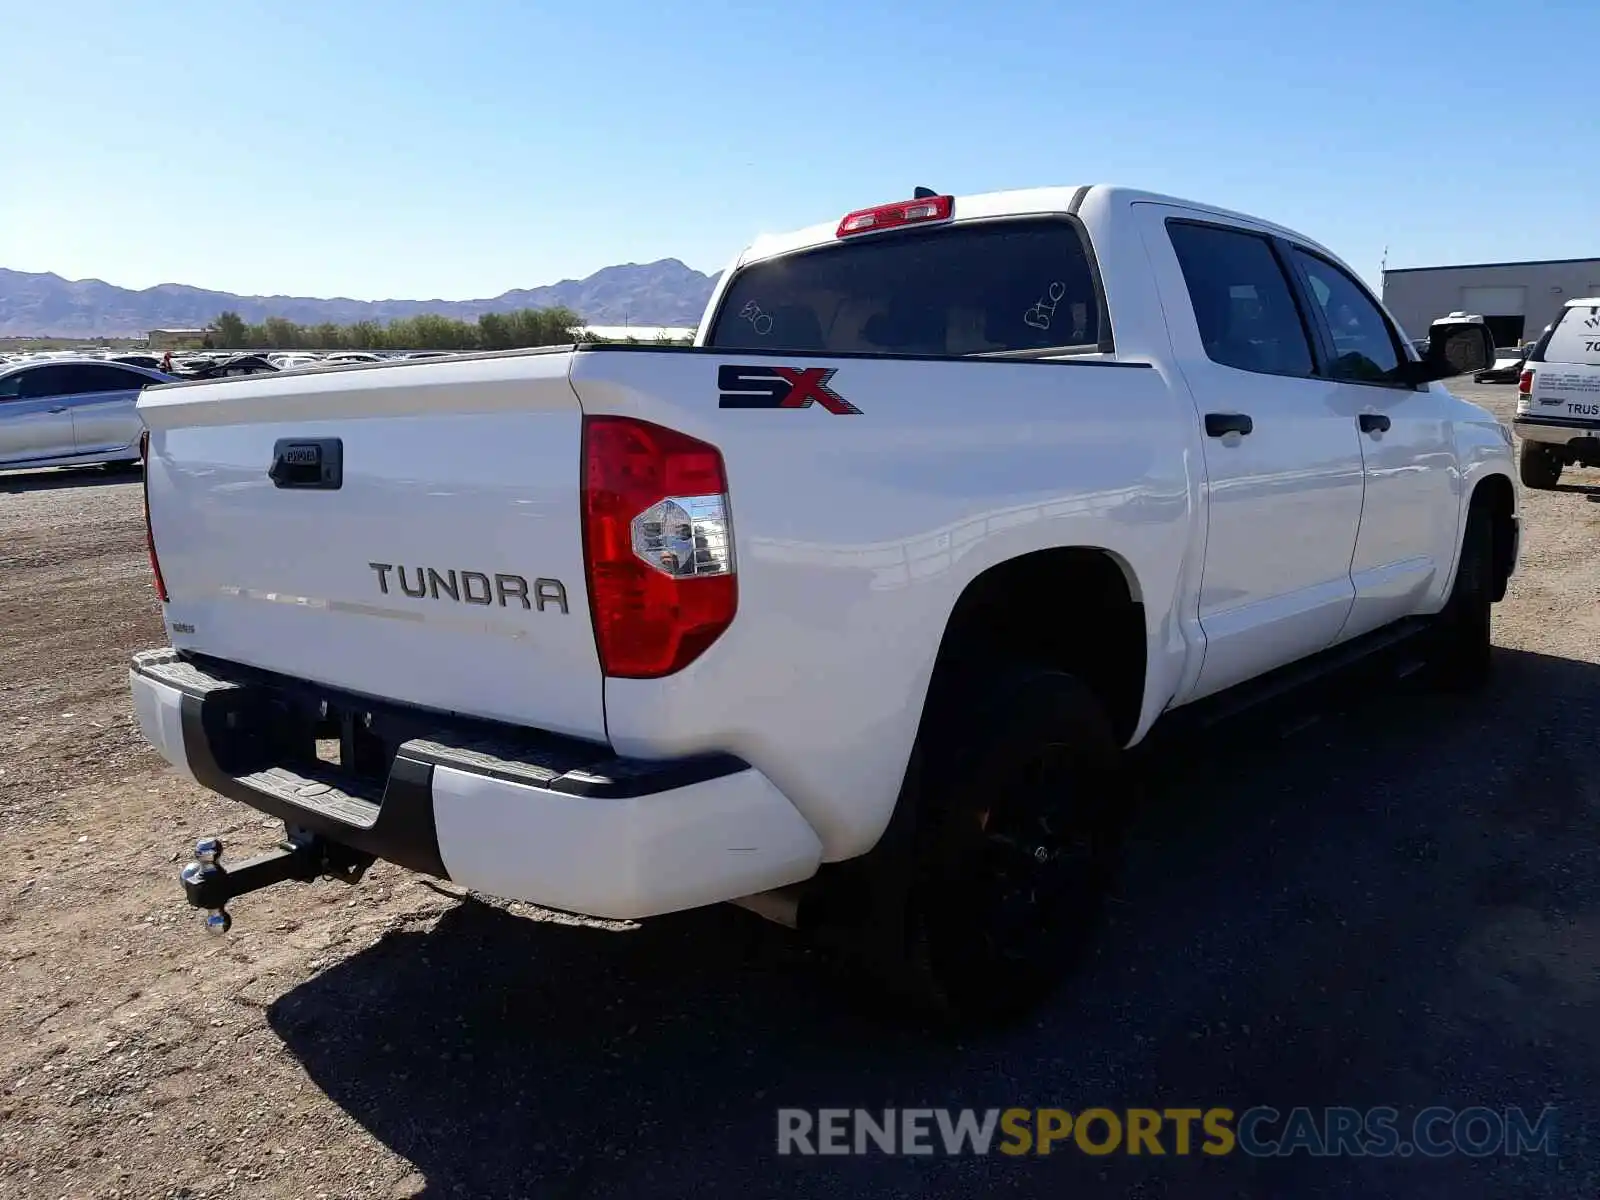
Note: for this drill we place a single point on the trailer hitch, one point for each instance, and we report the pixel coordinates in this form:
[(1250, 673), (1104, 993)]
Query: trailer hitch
[(208, 885)]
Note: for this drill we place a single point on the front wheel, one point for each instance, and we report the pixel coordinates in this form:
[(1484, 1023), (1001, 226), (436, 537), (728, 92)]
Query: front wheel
[(1539, 466), (1014, 848)]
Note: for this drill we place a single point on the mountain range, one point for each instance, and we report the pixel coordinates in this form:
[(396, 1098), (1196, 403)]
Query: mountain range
[(666, 292)]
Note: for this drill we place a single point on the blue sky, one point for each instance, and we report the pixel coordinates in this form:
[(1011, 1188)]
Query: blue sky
[(404, 149)]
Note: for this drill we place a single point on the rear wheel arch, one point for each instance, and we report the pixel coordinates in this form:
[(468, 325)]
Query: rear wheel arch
[(1078, 609)]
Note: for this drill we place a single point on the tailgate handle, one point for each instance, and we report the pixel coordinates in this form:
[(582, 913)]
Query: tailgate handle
[(308, 463)]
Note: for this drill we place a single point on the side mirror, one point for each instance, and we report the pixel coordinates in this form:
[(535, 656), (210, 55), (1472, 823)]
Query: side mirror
[(1457, 345)]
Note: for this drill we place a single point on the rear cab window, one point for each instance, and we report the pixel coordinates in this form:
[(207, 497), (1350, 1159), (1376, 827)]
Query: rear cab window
[(1575, 337), (1012, 287)]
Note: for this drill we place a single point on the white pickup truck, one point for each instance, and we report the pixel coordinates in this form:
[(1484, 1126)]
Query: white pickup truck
[(846, 613), (1558, 397)]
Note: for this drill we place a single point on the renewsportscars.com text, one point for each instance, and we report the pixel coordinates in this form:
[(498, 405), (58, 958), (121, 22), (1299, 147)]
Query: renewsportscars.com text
[(1262, 1131)]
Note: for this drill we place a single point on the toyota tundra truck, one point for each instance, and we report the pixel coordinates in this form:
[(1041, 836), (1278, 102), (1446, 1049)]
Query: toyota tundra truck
[(848, 613)]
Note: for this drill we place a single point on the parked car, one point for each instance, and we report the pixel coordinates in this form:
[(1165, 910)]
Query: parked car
[(1507, 366), (242, 364), (353, 356), (292, 360), (1558, 401), (61, 412), (148, 361), (847, 613)]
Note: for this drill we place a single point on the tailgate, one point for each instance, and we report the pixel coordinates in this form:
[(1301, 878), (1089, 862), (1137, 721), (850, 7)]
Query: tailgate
[(419, 538), (1565, 390)]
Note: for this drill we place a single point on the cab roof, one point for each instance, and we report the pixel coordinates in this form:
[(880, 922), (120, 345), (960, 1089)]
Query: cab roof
[(1018, 202)]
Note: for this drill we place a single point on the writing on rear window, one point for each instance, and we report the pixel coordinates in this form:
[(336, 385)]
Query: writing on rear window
[(760, 321), (997, 287), (1575, 338)]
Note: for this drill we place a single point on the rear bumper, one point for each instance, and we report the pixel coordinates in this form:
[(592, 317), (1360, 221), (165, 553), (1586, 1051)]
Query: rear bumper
[(515, 813), (1555, 430)]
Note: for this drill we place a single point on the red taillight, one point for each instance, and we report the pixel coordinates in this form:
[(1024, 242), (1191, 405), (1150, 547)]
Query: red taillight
[(1525, 384), (906, 212), (658, 546), (150, 537)]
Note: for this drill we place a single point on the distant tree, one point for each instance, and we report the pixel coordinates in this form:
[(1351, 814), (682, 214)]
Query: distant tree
[(433, 332), (365, 335), (230, 331), (427, 331), (284, 334), (494, 332)]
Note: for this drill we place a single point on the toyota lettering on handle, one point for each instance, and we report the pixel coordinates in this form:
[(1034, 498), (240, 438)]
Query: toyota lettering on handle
[(781, 387)]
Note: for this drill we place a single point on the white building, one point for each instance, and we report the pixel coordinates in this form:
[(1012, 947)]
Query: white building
[(1517, 299)]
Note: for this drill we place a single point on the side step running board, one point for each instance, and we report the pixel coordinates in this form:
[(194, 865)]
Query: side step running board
[(1299, 677), (1393, 651)]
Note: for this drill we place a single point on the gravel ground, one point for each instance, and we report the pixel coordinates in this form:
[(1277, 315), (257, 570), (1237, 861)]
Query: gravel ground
[(1400, 904)]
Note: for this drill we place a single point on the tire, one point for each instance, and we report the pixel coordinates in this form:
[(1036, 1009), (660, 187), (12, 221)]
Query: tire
[(1015, 842), (1539, 467), (1463, 648)]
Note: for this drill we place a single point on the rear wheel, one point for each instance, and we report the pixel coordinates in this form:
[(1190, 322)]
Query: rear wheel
[(1539, 466), (1015, 842), (1462, 652)]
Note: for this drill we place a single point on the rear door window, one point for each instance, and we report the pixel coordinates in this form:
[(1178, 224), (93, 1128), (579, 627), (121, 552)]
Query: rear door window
[(1243, 306), (111, 379), (1576, 337), (1003, 287)]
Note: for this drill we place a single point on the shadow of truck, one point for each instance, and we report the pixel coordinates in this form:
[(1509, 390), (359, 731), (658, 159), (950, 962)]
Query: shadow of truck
[(1397, 905)]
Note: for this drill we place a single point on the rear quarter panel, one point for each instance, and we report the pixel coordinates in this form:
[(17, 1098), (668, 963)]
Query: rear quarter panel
[(855, 535)]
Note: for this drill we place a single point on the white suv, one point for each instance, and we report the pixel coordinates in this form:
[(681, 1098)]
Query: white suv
[(1558, 405)]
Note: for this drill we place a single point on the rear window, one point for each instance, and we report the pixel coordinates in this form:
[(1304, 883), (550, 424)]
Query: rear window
[(1575, 338), (994, 288)]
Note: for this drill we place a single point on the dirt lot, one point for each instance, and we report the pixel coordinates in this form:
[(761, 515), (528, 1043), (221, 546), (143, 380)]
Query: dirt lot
[(1399, 905)]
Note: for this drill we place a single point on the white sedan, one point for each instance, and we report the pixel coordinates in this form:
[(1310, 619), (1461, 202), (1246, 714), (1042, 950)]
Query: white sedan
[(62, 413)]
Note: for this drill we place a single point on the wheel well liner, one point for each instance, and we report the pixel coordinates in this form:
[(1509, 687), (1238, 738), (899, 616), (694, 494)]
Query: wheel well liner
[(1496, 496), (1078, 609)]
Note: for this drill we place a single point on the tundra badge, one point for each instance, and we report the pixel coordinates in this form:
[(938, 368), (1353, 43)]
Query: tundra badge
[(474, 587)]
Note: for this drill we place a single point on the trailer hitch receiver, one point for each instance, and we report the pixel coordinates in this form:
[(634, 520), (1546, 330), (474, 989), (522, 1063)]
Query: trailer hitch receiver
[(209, 886)]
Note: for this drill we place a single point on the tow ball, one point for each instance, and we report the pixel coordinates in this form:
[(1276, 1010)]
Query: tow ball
[(209, 886)]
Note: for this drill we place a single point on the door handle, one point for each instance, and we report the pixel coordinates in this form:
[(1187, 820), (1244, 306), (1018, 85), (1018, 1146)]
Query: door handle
[(1373, 423), (313, 463), (1222, 424), (62, 409)]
